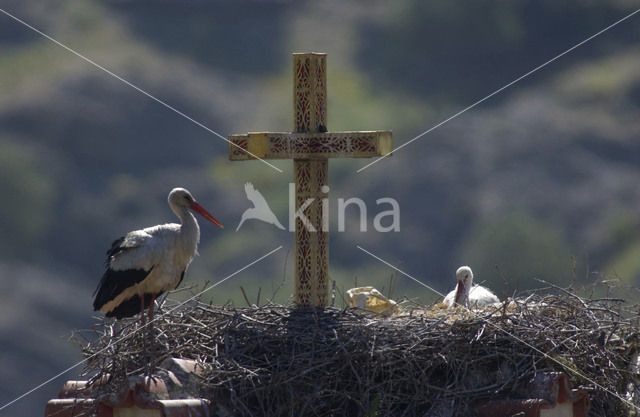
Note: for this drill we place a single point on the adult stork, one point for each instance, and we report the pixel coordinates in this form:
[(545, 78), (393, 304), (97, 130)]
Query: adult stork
[(145, 263), (467, 294)]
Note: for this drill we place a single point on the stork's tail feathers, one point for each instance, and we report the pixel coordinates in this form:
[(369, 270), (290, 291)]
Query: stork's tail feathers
[(115, 282), (131, 307)]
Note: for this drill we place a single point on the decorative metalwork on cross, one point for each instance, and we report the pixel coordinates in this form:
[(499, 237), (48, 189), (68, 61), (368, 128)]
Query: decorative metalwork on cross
[(310, 146)]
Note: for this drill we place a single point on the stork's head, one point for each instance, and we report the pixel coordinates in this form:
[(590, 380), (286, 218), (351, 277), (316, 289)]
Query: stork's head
[(180, 199), (465, 280)]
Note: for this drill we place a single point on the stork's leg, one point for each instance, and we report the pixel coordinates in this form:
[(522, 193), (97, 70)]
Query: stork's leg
[(145, 344), (153, 302), (145, 350), (150, 365), (142, 310)]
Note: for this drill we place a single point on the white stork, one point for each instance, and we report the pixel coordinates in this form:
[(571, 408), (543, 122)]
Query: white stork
[(145, 263), (467, 295)]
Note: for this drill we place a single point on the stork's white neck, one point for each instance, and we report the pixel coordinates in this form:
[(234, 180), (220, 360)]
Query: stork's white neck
[(189, 235), (189, 229), (190, 225)]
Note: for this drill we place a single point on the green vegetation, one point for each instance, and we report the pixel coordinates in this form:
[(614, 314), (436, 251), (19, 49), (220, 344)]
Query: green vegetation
[(518, 248), (400, 70), (26, 210), (85, 158)]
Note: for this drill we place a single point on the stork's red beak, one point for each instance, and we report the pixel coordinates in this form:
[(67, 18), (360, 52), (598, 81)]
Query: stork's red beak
[(204, 213), (460, 293)]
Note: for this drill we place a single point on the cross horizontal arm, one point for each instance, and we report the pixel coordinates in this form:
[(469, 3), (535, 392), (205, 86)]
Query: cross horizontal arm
[(284, 145)]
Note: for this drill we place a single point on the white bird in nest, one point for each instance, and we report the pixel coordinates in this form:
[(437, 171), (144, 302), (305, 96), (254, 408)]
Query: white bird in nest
[(468, 295), (145, 263)]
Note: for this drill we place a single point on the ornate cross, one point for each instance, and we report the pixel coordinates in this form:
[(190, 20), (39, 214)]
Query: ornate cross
[(310, 146)]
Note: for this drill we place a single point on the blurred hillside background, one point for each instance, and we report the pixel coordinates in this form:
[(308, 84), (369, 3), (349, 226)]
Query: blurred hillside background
[(540, 181)]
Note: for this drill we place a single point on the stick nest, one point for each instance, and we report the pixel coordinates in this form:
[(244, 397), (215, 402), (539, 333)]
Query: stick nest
[(278, 361)]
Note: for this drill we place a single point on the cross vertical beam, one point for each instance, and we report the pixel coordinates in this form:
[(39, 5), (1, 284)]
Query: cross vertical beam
[(310, 146), (310, 176)]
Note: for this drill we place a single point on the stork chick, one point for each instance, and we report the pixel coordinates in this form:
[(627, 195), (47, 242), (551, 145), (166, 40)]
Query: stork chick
[(468, 295)]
